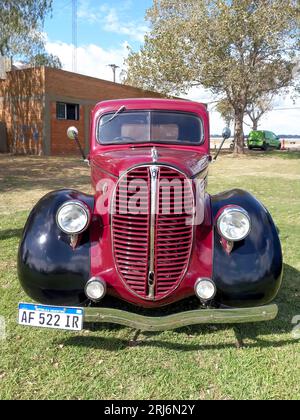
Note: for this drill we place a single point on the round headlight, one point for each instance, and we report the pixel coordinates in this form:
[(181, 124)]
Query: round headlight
[(73, 217), (205, 289), (95, 289), (234, 224)]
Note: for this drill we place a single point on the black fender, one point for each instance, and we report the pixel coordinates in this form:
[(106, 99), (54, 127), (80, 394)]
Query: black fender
[(251, 274), (50, 270)]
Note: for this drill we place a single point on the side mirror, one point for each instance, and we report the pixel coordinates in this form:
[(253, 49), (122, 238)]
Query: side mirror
[(226, 134), (72, 133)]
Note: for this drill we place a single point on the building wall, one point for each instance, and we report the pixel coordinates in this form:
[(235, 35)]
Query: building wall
[(62, 86), (22, 98), (28, 107), (67, 84)]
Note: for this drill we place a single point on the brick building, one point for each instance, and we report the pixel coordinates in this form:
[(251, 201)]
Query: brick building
[(37, 105)]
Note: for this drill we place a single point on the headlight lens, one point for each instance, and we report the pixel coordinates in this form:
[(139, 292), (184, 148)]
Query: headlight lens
[(205, 289), (95, 289), (234, 224), (73, 217)]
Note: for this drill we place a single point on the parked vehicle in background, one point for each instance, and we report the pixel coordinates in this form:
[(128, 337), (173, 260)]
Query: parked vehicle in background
[(263, 140)]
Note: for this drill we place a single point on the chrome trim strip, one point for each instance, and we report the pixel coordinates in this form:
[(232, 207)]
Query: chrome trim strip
[(154, 170), (154, 154)]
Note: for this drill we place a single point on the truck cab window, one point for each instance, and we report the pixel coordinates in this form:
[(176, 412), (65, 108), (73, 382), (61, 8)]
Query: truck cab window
[(150, 126)]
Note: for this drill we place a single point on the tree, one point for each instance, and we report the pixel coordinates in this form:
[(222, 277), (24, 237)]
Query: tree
[(226, 110), (258, 108), (254, 110), (239, 49), (47, 60), (20, 26)]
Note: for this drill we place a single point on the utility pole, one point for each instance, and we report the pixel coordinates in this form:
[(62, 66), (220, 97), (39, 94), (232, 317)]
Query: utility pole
[(114, 68), (74, 35)]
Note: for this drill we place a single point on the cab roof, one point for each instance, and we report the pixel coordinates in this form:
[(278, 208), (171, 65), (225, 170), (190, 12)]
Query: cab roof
[(151, 104)]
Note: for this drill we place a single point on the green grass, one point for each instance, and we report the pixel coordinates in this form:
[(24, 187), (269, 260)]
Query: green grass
[(202, 362)]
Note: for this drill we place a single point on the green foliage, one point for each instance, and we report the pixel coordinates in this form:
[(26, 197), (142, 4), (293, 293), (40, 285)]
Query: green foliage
[(226, 110), (239, 49), (20, 26), (47, 60)]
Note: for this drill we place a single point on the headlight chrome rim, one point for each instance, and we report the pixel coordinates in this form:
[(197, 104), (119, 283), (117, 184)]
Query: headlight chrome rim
[(86, 212), (225, 212), (96, 280), (205, 280)]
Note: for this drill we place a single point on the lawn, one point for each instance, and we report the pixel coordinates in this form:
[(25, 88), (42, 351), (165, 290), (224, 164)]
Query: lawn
[(204, 362)]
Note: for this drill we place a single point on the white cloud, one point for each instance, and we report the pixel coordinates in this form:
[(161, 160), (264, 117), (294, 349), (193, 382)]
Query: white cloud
[(92, 60), (133, 30), (113, 20)]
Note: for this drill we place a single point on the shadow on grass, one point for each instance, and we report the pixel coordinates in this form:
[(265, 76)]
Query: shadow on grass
[(256, 333), (28, 173), (10, 233), (114, 344)]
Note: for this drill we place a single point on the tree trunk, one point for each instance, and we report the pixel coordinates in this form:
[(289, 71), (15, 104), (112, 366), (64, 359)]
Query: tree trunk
[(255, 125), (238, 132)]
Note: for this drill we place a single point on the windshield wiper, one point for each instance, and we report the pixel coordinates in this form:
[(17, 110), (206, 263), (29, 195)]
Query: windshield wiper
[(122, 109)]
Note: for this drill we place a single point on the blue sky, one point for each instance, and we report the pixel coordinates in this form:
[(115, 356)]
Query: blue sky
[(107, 28), (107, 23)]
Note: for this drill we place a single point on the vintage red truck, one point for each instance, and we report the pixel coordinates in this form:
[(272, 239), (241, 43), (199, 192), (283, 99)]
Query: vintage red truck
[(150, 238)]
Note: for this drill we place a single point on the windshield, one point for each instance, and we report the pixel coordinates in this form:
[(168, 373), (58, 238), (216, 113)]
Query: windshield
[(150, 126)]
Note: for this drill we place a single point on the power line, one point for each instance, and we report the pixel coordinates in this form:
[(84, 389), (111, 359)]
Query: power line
[(74, 35)]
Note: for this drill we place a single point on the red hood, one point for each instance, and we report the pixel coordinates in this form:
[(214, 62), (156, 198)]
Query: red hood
[(115, 162)]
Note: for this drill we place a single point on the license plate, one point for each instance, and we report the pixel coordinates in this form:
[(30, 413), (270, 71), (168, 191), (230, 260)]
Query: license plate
[(54, 317)]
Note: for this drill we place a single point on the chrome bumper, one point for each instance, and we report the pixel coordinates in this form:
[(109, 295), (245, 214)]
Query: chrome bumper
[(182, 319)]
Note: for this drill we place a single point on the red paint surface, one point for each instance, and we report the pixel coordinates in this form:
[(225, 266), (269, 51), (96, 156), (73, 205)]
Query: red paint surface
[(108, 162)]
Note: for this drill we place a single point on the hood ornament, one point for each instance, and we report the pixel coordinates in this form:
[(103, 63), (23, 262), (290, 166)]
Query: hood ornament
[(154, 154)]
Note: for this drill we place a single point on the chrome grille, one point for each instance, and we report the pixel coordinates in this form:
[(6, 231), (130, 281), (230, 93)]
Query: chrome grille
[(132, 233)]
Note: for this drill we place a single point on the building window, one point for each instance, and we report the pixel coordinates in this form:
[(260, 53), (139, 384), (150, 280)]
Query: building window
[(67, 111)]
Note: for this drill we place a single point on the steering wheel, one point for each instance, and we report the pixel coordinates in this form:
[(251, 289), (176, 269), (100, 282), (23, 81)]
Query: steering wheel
[(120, 138)]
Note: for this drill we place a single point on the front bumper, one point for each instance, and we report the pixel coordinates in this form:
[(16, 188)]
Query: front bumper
[(182, 319)]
